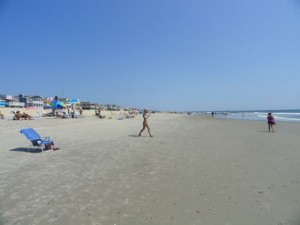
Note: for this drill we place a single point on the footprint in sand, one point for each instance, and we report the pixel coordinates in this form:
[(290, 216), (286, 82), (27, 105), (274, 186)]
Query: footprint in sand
[(53, 219)]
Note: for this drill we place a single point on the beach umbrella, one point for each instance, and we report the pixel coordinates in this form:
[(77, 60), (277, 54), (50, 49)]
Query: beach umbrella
[(56, 104), (74, 100)]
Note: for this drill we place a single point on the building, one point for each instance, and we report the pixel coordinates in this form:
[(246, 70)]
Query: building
[(89, 105), (11, 101), (112, 107), (2, 103), (33, 101), (16, 104)]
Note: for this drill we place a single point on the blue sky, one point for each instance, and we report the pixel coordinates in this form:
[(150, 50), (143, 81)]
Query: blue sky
[(157, 54)]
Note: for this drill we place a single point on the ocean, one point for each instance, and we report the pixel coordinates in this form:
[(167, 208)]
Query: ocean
[(279, 115)]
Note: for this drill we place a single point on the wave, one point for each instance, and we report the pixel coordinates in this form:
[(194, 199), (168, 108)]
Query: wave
[(279, 115), (282, 115), (286, 119)]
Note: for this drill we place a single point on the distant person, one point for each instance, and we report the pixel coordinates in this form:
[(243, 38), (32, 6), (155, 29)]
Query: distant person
[(26, 116), (1, 115), (271, 122), (145, 123), (73, 107), (98, 113), (57, 114), (212, 114), (80, 111), (17, 116)]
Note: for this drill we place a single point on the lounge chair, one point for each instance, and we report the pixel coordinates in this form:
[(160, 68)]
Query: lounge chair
[(36, 140)]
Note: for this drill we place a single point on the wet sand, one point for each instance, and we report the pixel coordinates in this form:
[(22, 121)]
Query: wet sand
[(196, 170)]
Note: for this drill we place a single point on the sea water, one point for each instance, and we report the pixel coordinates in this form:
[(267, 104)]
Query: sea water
[(279, 115)]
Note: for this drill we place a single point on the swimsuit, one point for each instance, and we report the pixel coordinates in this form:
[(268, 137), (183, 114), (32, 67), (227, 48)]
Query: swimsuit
[(271, 120)]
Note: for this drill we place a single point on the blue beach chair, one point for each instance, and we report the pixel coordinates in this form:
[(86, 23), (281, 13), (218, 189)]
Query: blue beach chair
[(36, 140)]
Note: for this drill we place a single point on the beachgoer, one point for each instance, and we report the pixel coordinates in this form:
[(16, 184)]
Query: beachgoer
[(1, 115), (58, 114), (80, 111), (17, 116), (145, 124), (271, 122), (99, 114), (96, 113), (26, 116), (73, 107)]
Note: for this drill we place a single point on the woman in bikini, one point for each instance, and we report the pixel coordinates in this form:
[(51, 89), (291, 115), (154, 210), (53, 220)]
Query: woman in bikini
[(145, 124)]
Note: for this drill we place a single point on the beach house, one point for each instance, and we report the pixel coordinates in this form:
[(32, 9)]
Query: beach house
[(31, 101), (89, 105)]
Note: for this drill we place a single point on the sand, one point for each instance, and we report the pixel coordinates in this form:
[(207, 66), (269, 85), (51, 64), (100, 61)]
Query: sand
[(196, 170)]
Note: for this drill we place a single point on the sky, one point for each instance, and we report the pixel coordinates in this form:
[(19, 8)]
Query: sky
[(175, 55)]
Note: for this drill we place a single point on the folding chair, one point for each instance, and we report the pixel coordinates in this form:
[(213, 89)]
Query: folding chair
[(36, 140)]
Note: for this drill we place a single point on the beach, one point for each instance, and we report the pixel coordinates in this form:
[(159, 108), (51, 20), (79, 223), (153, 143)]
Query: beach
[(195, 170)]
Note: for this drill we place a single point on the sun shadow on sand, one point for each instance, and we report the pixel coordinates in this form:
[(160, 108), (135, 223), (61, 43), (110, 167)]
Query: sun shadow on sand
[(263, 131), (31, 150), (134, 135), (137, 136)]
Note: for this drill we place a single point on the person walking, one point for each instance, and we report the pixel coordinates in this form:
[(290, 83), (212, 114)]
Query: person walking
[(271, 122), (80, 111), (145, 123)]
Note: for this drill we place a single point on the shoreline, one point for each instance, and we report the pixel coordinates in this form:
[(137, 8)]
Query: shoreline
[(286, 116)]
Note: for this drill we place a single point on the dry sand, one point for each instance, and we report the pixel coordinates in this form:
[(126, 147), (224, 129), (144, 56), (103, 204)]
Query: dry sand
[(196, 170)]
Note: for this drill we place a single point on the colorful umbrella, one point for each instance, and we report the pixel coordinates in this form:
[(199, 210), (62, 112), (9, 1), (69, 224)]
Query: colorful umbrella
[(74, 100), (56, 104)]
